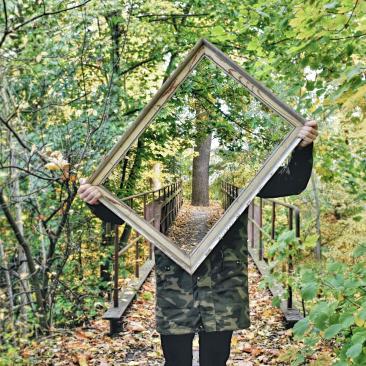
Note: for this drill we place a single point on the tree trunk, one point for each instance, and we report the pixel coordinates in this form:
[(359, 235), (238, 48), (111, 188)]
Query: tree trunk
[(131, 184), (22, 270), (31, 263), (155, 182), (200, 172), (4, 264)]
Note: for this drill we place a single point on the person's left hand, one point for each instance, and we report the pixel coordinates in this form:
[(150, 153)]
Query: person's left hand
[(308, 133)]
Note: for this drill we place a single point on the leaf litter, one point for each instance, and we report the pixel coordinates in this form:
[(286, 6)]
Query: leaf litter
[(265, 342)]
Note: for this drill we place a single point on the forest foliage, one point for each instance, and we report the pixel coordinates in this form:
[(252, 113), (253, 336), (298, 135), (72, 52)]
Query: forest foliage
[(74, 75)]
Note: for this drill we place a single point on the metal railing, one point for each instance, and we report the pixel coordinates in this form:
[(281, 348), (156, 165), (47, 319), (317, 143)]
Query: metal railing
[(255, 220), (170, 199)]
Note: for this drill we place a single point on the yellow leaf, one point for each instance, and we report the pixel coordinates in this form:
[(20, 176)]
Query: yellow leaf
[(52, 166), (82, 360), (356, 100), (359, 322)]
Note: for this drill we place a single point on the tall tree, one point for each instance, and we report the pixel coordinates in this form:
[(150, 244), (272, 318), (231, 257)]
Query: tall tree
[(201, 161)]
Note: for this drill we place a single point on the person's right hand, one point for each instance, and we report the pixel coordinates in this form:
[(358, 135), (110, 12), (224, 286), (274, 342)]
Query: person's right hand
[(88, 192)]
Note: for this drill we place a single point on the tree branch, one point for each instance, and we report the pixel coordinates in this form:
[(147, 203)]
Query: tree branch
[(350, 17), (6, 23), (166, 16), (21, 240), (21, 142), (8, 31)]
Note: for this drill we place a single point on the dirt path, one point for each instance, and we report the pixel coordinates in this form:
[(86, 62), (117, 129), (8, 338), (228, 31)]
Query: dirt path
[(192, 224)]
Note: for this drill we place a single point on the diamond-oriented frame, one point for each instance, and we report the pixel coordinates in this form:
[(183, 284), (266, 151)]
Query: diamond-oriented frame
[(190, 262)]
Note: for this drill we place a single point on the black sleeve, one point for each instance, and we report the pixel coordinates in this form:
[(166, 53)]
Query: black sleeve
[(292, 178), (105, 214)]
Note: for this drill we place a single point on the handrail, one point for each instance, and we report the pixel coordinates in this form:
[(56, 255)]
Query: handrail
[(170, 199), (231, 192), (146, 192), (285, 204)]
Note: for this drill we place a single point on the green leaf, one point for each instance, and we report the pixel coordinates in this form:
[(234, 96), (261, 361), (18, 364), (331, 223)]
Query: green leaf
[(309, 291), (276, 301), (331, 5), (354, 351), (362, 314), (332, 331), (253, 44), (360, 250), (354, 72), (340, 363), (347, 321), (359, 336), (286, 236), (301, 326), (334, 266), (310, 241), (308, 276), (220, 34)]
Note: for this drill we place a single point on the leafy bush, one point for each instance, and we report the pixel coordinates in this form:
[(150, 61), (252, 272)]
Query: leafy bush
[(338, 313)]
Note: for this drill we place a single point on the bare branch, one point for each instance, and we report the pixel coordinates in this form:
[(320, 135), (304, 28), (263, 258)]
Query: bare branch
[(7, 125), (349, 37), (21, 142), (23, 243), (6, 24), (350, 17), (28, 172), (53, 105), (167, 16), (8, 31)]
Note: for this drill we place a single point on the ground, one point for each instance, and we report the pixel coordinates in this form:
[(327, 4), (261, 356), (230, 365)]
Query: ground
[(192, 223), (266, 342)]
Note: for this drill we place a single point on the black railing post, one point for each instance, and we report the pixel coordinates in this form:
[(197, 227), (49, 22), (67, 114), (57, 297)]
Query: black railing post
[(290, 218), (224, 194), (137, 258), (297, 223), (116, 267), (252, 210), (261, 248), (290, 259), (230, 192), (289, 263), (273, 230)]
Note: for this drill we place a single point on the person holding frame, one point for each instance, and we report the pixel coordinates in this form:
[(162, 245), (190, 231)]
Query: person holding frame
[(213, 301)]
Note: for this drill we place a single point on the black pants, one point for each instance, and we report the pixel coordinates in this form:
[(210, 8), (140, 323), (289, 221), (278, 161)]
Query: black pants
[(214, 348)]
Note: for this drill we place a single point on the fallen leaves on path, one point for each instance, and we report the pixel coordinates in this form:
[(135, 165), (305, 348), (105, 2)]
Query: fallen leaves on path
[(193, 223), (265, 342)]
